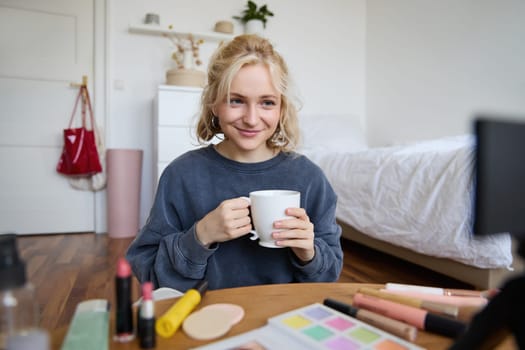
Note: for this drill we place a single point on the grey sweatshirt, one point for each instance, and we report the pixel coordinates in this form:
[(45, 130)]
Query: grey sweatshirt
[(167, 252)]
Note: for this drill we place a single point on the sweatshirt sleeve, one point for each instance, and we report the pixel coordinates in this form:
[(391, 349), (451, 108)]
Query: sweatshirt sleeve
[(320, 204), (163, 252)]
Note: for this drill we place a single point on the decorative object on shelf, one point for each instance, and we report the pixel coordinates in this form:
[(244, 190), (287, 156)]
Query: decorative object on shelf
[(152, 19), (185, 77), (254, 18), (253, 26), (186, 56), (187, 51), (210, 36), (224, 27)]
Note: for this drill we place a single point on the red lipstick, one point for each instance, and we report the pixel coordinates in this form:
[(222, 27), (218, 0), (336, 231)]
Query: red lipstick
[(124, 316)]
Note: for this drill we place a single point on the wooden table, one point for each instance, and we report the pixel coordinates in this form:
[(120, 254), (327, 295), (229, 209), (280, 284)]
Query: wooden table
[(261, 303)]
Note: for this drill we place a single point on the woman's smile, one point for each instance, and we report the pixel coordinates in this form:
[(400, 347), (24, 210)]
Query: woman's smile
[(248, 132)]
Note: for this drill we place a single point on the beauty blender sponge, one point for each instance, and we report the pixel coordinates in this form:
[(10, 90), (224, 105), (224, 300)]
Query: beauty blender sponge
[(235, 312), (212, 321)]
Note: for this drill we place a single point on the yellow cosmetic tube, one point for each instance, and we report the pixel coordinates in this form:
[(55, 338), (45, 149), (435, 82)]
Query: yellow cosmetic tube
[(168, 323)]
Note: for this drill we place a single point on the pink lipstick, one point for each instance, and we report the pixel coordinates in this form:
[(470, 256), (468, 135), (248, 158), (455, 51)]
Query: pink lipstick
[(146, 319), (124, 316)]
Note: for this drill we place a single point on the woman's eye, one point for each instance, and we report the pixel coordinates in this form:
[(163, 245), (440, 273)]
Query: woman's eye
[(235, 101), (268, 103)]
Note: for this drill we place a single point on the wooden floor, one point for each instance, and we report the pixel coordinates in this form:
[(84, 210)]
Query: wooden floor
[(67, 269)]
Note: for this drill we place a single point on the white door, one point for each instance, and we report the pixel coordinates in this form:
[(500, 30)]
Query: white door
[(44, 45)]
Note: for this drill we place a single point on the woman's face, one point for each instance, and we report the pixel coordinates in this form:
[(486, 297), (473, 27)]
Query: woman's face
[(250, 116)]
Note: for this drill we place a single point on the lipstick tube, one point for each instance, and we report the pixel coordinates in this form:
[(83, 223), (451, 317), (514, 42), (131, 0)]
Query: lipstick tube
[(146, 319), (124, 315)]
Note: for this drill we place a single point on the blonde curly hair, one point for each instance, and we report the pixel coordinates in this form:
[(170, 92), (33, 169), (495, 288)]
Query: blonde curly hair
[(225, 63)]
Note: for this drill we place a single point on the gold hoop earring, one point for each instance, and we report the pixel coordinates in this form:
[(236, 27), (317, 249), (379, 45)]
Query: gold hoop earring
[(215, 123), (278, 139)]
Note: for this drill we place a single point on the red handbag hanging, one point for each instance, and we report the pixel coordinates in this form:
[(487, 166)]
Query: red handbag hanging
[(79, 154)]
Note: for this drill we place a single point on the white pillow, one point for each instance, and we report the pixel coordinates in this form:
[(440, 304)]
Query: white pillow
[(331, 133)]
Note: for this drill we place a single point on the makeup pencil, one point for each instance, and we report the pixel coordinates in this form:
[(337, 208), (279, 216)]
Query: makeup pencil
[(438, 308), (419, 318), (451, 300), (461, 308), (442, 291), (387, 324)]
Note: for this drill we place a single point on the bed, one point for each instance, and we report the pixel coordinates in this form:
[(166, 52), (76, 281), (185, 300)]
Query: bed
[(412, 200)]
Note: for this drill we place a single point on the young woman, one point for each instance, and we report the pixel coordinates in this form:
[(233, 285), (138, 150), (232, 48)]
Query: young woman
[(199, 224)]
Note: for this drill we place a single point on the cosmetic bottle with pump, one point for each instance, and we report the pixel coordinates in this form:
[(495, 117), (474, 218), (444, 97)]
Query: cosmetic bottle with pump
[(18, 307)]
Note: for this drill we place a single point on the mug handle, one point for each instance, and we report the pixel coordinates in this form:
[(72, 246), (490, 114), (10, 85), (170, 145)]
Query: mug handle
[(254, 235)]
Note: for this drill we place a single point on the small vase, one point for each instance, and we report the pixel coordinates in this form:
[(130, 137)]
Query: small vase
[(254, 26), (187, 59)]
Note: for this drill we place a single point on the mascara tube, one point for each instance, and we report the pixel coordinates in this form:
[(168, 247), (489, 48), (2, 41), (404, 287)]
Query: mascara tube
[(168, 323), (124, 315)]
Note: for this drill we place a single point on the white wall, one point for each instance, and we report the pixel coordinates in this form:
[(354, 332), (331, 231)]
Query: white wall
[(430, 65), (419, 68), (323, 43)]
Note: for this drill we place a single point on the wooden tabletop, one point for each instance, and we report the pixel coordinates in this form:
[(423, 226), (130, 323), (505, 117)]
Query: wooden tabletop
[(259, 303)]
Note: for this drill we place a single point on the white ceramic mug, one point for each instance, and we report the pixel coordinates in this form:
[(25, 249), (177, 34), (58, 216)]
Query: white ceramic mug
[(267, 207)]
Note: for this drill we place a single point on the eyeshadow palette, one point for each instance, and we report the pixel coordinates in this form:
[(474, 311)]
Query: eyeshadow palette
[(323, 327), (314, 327)]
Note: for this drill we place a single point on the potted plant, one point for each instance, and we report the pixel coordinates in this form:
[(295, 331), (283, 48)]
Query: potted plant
[(254, 18)]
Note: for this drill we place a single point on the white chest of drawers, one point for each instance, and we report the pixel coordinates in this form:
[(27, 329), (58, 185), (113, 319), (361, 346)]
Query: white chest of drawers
[(175, 116)]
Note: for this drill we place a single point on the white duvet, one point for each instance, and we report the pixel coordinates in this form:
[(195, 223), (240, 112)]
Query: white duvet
[(417, 196)]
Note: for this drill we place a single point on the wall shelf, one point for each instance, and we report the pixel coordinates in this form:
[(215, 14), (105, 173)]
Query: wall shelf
[(158, 30)]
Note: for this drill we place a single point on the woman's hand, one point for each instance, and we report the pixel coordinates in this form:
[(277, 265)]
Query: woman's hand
[(228, 221), (297, 233)]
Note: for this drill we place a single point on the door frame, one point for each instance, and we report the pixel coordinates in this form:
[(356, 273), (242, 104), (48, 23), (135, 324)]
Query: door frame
[(101, 43)]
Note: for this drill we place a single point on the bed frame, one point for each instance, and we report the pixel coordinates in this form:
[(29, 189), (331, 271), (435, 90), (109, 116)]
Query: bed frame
[(477, 277)]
